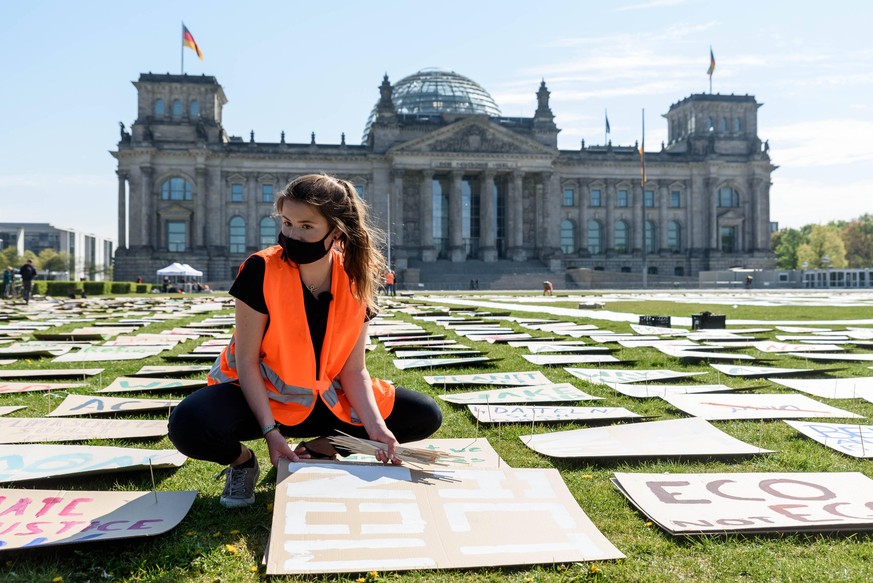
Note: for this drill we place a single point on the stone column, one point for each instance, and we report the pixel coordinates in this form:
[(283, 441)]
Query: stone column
[(609, 227), (217, 204), (663, 196), (149, 226), (251, 194), (122, 210), (638, 222), (456, 233), (488, 218), (428, 253), (762, 214), (200, 193), (583, 191), (397, 209), (711, 206), (516, 217)]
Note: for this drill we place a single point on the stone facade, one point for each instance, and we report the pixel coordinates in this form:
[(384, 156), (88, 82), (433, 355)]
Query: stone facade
[(450, 187)]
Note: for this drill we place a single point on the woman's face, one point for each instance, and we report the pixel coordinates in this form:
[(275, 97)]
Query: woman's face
[(303, 222)]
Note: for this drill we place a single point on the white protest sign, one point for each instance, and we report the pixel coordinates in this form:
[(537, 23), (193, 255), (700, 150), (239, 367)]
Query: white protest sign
[(408, 363), (131, 384), (831, 357), (171, 370), (429, 353), (719, 406), (99, 353), (11, 409), (98, 405), (39, 429), (342, 518), (556, 393), (854, 440), (782, 347), (644, 391), (21, 462), (752, 502), (51, 517), (534, 414), (49, 373), (557, 359), (736, 370), (673, 437), (836, 388), (502, 378), (26, 387), (686, 354), (606, 376)]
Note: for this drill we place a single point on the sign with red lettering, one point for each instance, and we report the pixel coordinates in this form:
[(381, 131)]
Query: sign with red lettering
[(754, 406), (36, 518), (556, 393), (752, 502)]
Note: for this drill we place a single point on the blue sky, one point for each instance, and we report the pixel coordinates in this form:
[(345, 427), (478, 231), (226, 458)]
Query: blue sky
[(310, 66)]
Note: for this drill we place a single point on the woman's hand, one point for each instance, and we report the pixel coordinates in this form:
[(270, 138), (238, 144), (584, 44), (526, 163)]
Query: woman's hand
[(279, 448), (383, 435)]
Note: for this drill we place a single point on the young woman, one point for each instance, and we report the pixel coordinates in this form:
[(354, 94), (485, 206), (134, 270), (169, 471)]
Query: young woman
[(295, 366)]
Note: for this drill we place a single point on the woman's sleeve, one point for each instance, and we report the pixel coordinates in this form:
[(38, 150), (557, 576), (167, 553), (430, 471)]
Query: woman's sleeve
[(249, 284)]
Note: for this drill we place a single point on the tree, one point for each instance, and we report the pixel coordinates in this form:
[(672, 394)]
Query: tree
[(11, 256), (823, 249), (49, 260), (784, 244), (858, 239)]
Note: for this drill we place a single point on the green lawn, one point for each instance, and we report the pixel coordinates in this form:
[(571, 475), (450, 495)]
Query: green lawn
[(213, 544)]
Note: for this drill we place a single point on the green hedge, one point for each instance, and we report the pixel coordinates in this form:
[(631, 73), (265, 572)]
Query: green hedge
[(96, 288), (122, 287), (143, 288), (62, 288), (59, 287)]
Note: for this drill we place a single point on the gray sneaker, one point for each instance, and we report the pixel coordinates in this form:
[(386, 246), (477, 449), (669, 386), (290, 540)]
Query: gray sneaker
[(239, 486)]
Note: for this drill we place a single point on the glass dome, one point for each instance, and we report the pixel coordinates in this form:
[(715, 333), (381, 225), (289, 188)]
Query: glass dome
[(437, 91)]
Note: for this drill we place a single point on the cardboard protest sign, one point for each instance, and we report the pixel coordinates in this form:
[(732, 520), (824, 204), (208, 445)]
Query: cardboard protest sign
[(782, 347), (673, 437), (78, 336), (98, 405), (684, 354), (501, 378), (42, 429), (719, 406), (549, 347), (659, 330), (137, 384), (606, 376), (26, 387), (835, 388), (854, 440), (465, 453), (397, 343), (429, 353), (170, 370), (11, 409), (7, 361), (645, 391), (22, 462), (38, 518), (830, 356), (687, 504), (736, 370), (33, 352), (497, 338), (555, 393), (558, 359), (49, 373), (408, 363), (543, 414), (100, 353), (341, 518)]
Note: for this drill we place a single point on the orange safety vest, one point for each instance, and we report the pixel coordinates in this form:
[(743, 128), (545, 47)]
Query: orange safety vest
[(389, 278), (287, 358)]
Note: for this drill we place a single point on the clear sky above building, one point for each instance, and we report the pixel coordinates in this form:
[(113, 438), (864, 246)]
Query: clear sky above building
[(307, 67)]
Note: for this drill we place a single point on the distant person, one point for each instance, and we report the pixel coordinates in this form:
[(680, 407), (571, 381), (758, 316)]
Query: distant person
[(28, 274), (139, 279), (8, 275), (389, 284), (165, 285), (547, 288), (749, 280)]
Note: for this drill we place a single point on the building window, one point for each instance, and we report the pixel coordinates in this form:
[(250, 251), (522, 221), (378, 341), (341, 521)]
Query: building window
[(361, 190), (728, 237), (709, 127), (728, 198), (177, 108), (674, 236), (621, 198), (649, 236), (679, 271), (738, 125), (237, 235), (176, 189), (194, 108), (652, 270), (267, 193), (649, 199), (236, 192), (568, 237), (177, 236), (569, 197), (159, 107), (625, 269), (267, 232), (596, 198), (620, 243), (595, 244), (723, 125), (675, 199)]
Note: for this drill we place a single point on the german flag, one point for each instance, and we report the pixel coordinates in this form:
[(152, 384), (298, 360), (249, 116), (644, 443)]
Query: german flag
[(188, 41)]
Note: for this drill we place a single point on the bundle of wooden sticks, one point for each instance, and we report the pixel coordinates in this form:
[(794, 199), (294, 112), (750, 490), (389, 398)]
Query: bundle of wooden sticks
[(408, 455)]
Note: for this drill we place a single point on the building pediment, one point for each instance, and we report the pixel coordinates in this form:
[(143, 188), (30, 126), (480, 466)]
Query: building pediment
[(175, 211), (475, 135)]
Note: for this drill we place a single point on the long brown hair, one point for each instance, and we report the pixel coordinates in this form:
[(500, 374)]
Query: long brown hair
[(360, 241)]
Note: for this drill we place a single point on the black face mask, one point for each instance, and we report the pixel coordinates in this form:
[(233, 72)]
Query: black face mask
[(301, 252)]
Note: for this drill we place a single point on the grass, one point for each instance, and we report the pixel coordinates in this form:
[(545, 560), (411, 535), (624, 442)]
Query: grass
[(213, 544)]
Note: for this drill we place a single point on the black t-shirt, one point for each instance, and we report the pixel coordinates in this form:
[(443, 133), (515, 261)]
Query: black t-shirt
[(249, 288)]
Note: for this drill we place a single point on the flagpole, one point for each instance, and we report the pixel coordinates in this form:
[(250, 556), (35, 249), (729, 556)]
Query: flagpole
[(183, 48), (605, 131), (642, 202)]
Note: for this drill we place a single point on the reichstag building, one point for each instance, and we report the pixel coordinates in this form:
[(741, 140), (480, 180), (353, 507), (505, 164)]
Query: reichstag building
[(452, 180)]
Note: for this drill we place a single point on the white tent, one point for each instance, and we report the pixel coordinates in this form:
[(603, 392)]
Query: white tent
[(191, 271), (174, 269)]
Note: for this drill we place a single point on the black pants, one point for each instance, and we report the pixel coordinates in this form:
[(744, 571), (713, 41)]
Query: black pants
[(210, 423)]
